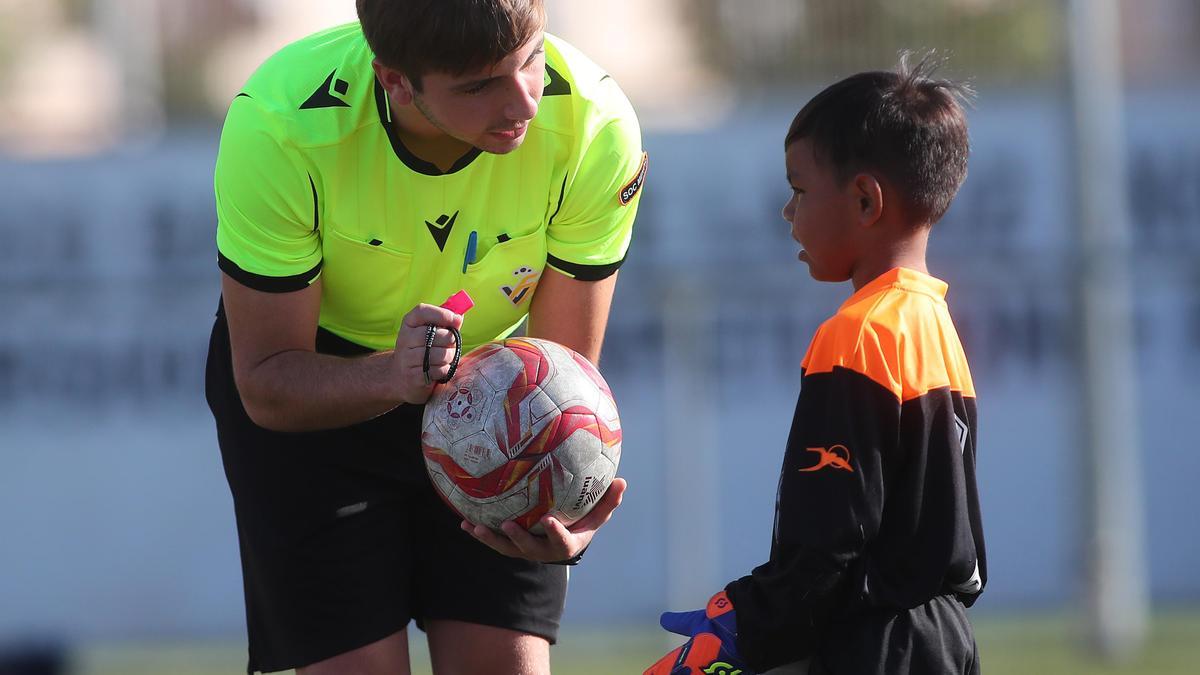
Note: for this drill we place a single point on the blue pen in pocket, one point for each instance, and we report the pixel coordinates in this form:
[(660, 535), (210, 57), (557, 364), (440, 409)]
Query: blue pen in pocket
[(472, 242)]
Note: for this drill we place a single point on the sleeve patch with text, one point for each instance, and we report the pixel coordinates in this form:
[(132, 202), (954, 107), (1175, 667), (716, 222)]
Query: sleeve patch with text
[(630, 189)]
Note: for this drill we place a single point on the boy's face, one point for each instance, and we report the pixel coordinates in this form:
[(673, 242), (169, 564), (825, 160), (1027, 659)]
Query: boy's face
[(489, 109), (823, 215)]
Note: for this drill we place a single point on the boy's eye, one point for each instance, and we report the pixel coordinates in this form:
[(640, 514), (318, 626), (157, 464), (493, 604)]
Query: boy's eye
[(476, 89)]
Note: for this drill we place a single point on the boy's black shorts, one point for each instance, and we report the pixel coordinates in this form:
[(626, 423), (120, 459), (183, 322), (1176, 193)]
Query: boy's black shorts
[(343, 539), (931, 639)]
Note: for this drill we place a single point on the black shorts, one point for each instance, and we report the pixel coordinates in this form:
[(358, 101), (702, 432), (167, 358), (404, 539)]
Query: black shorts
[(935, 638), (343, 539)]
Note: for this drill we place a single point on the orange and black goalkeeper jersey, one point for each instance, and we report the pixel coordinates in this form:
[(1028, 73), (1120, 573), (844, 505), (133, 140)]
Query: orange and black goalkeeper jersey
[(877, 502)]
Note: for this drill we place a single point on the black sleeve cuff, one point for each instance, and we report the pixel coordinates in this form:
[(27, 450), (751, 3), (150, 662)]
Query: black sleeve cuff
[(267, 284), (584, 272)]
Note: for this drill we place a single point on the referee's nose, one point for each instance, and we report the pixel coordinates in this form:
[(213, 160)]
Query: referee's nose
[(522, 103)]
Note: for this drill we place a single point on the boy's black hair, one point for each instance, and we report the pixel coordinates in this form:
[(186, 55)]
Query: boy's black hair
[(905, 126)]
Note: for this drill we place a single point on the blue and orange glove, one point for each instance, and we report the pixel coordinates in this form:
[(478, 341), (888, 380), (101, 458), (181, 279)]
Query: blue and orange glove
[(712, 645)]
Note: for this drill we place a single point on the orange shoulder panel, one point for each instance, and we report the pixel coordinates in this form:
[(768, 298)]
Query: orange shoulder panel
[(903, 340)]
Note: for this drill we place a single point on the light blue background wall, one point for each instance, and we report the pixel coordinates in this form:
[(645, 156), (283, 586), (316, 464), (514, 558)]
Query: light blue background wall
[(115, 520)]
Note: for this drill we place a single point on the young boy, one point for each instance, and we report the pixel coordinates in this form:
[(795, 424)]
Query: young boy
[(877, 547)]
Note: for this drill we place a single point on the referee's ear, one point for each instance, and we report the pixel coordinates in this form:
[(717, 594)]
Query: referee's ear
[(395, 83)]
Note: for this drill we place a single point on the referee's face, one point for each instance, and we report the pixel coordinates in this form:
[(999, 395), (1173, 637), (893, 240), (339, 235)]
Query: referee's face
[(491, 108)]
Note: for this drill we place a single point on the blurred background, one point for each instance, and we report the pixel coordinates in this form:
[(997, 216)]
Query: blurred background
[(1072, 254)]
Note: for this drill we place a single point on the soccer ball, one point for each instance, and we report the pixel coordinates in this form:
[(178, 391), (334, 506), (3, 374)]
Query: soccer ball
[(525, 428)]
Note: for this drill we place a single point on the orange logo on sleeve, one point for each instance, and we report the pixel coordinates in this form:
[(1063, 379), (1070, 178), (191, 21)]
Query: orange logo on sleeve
[(837, 456)]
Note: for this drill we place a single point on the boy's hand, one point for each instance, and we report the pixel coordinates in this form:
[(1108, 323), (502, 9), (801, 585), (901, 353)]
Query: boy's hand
[(712, 647)]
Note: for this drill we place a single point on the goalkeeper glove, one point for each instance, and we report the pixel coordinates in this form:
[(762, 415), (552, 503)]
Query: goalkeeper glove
[(712, 645)]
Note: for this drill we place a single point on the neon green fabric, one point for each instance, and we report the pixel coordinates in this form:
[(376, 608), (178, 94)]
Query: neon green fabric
[(312, 182)]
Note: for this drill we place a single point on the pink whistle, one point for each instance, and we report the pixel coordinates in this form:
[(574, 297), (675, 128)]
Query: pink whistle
[(459, 303)]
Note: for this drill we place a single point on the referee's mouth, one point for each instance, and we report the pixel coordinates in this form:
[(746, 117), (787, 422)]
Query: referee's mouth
[(511, 133)]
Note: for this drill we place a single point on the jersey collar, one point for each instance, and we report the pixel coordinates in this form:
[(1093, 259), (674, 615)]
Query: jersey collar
[(901, 277), (404, 154)]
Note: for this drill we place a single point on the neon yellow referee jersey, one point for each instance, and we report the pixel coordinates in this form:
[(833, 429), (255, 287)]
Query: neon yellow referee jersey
[(312, 181)]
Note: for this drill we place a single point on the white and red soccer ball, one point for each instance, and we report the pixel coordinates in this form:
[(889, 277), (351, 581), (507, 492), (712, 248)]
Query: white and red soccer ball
[(525, 428)]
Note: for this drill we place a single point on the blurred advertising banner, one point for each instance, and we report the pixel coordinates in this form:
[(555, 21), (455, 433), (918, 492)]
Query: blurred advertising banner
[(114, 515)]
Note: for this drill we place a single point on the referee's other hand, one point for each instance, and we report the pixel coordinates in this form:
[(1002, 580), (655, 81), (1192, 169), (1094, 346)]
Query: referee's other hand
[(408, 360), (559, 542)]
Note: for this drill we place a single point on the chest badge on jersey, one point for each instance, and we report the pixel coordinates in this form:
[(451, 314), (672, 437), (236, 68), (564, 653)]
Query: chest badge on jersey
[(526, 280), (837, 456), (441, 231)]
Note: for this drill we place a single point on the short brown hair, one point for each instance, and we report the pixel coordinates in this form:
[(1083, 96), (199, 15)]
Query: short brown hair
[(449, 36), (905, 125)]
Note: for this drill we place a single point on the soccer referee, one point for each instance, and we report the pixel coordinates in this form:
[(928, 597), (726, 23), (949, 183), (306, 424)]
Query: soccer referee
[(365, 174)]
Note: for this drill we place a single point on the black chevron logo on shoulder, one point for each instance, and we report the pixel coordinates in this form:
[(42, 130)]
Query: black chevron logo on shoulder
[(555, 84), (322, 98), (441, 231)]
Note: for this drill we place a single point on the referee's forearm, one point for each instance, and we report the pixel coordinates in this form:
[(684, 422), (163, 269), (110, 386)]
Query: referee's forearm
[(306, 391)]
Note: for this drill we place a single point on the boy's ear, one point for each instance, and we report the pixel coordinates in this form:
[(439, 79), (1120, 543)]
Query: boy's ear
[(868, 197), (395, 83)]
